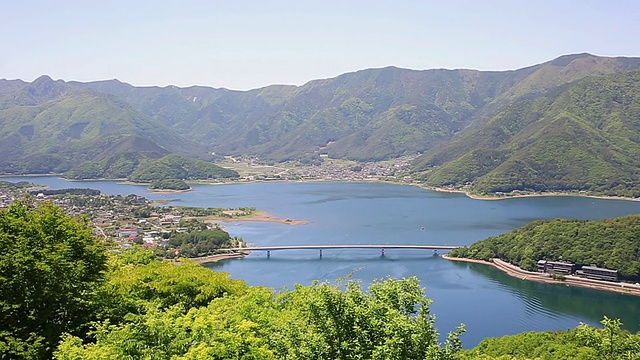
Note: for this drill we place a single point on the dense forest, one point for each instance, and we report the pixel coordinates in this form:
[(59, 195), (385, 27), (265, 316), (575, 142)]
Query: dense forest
[(582, 136), (611, 243), (202, 243), (63, 295)]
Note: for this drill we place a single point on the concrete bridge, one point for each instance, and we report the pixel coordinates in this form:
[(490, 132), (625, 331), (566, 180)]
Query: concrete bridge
[(381, 247)]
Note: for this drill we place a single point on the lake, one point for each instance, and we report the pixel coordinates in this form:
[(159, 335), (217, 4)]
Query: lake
[(487, 301)]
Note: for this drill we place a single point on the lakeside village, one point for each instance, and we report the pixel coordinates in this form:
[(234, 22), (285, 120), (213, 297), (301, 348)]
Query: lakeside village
[(251, 169), (170, 231)]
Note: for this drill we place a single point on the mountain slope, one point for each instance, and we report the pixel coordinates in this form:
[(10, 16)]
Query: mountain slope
[(365, 115), (180, 167), (611, 243), (50, 126), (525, 129), (581, 136)]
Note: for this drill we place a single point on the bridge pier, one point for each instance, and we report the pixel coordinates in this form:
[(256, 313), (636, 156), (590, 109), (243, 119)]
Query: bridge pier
[(268, 254), (382, 251), (320, 253)]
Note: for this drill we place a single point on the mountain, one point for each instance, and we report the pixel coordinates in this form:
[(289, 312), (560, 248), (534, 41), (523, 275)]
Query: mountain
[(499, 131), (582, 136), (366, 115), (51, 126)]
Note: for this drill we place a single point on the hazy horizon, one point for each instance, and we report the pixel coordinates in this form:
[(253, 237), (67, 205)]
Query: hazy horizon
[(250, 44), (281, 84)]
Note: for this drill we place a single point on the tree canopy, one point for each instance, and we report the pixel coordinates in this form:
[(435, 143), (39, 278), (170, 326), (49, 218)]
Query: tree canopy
[(584, 343), (63, 295), (611, 243), (50, 267)]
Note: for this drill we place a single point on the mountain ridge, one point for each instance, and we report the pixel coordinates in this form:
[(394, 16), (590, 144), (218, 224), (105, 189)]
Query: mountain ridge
[(365, 115)]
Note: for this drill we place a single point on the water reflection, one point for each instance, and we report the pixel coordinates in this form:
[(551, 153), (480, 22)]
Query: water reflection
[(592, 305)]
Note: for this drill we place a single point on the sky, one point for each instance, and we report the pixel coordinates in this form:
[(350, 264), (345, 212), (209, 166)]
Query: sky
[(244, 45)]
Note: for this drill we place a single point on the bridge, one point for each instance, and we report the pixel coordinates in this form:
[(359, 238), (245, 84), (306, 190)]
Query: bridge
[(381, 247)]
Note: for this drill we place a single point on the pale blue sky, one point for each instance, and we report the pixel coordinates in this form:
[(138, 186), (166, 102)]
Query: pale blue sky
[(249, 44)]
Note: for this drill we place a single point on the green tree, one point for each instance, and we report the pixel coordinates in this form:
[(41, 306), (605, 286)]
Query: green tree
[(190, 312), (50, 266), (389, 321), (582, 343)]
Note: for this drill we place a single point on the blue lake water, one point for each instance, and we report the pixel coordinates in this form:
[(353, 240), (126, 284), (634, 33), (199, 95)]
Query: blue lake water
[(487, 301)]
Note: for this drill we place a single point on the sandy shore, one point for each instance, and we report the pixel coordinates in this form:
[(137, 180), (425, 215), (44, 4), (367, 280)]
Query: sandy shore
[(514, 271), (258, 216)]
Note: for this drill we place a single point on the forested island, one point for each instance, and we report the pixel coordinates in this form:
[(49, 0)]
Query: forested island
[(610, 243), (130, 304)]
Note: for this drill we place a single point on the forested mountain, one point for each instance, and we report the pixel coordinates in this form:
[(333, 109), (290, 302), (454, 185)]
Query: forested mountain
[(524, 129), (581, 136), (179, 167), (50, 126)]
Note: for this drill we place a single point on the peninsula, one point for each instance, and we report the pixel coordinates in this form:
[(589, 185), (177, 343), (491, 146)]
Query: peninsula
[(596, 254)]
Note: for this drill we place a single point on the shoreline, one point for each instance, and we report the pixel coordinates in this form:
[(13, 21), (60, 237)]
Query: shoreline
[(569, 280), (257, 216), (218, 257), (167, 191), (422, 186)]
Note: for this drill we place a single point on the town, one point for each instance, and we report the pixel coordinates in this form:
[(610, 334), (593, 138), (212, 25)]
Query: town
[(393, 170), (171, 231)]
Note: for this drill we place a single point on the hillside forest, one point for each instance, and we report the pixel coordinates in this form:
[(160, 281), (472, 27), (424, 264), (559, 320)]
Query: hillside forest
[(566, 125), (610, 243)]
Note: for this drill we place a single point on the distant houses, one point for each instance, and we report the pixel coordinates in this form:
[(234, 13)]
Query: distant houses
[(567, 268), (129, 232), (556, 267), (594, 272)]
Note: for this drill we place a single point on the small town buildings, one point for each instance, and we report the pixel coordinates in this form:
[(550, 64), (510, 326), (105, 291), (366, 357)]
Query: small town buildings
[(598, 273), (556, 267), (126, 233)]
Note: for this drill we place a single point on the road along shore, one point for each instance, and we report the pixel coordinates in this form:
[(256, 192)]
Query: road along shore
[(569, 280)]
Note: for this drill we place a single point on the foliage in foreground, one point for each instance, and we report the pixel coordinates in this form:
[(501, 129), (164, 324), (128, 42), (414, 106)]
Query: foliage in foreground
[(60, 289), (50, 269), (611, 243), (63, 296), (584, 343), (161, 310)]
